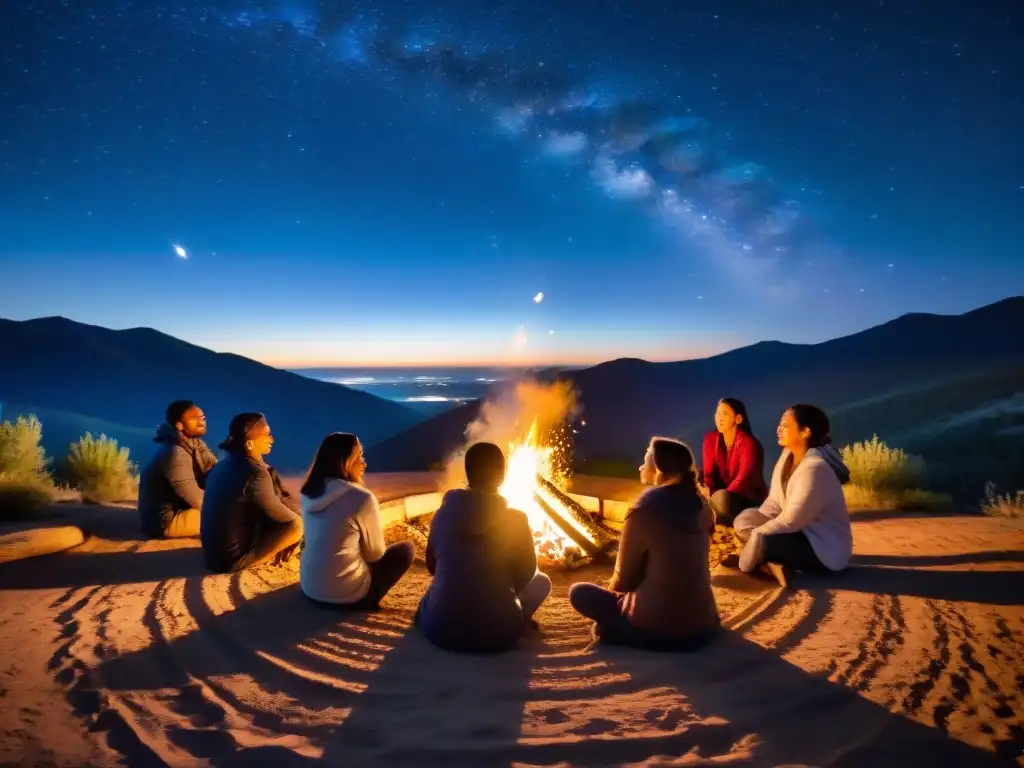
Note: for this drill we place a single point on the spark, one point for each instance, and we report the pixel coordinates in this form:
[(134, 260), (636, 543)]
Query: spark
[(539, 297), (180, 251)]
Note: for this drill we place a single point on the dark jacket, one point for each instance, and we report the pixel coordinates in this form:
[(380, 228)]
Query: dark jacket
[(243, 497), (662, 564), (481, 554), (173, 480), (739, 469)]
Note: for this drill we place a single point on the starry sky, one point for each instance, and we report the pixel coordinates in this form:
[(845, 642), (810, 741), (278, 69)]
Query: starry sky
[(395, 183)]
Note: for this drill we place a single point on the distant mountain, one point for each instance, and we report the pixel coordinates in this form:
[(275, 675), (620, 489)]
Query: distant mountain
[(626, 401), (128, 378)]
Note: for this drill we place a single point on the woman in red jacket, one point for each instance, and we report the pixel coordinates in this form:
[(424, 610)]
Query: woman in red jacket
[(733, 463)]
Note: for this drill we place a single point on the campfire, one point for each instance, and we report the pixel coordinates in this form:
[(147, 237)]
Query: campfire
[(563, 532)]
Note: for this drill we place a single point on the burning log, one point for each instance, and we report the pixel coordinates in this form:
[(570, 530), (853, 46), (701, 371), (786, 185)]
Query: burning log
[(582, 540), (596, 532)]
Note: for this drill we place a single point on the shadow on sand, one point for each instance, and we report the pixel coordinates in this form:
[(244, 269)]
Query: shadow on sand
[(286, 672)]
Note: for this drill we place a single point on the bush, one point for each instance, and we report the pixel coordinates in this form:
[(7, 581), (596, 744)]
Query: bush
[(876, 467), (21, 451), (1008, 505), (101, 470), (25, 485)]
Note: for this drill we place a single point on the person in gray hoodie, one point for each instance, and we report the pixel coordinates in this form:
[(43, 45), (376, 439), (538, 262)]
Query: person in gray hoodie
[(486, 585), (345, 563), (804, 524), (171, 484)]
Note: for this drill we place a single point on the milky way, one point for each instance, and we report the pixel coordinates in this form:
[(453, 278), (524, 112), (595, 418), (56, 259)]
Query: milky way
[(636, 149)]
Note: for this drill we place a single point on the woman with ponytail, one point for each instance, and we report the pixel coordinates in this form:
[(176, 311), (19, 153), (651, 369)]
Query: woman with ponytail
[(659, 596), (247, 516)]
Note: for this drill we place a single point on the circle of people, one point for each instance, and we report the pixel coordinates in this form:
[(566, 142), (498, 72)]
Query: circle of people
[(486, 585)]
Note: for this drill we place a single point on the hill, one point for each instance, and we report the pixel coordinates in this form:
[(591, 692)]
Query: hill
[(626, 401), (128, 377)]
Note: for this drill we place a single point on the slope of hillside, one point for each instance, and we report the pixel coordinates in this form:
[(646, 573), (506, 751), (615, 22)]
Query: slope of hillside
[(128, 377), (61, 428), (626, 401)]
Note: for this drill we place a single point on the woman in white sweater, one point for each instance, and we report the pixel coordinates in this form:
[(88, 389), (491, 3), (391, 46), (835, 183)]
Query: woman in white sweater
[(345, 563), (804, 524)]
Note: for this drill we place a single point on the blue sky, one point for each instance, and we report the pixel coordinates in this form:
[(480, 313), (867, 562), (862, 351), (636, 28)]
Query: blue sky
[(386, 185)]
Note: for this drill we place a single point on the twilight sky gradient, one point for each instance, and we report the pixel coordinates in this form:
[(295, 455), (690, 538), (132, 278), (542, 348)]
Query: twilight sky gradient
[(395, 183)]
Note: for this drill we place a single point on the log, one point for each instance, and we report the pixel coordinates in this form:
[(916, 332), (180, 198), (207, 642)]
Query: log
[(583, 542), (604, 538)]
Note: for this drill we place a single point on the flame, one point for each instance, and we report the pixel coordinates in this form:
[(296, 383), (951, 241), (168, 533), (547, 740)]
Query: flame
[(527, 460)]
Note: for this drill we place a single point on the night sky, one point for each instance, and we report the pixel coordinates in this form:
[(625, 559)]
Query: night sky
[(396, 182)]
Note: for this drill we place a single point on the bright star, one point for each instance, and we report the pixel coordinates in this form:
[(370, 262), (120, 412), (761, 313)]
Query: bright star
[(180, 251)]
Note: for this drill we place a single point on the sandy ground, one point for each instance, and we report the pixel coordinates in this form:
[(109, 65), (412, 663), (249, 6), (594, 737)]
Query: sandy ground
[(124, 652)]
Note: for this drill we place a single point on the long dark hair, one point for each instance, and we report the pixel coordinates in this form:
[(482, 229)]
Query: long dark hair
[(330, 462), (813, 418), (673, 458), (238, 432), (737, 407)]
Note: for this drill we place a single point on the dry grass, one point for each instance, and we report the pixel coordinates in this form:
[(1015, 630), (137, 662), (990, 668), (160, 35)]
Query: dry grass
[(1002, 505)]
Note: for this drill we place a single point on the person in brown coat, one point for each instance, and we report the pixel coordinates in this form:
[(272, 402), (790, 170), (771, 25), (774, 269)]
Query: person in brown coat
[(659, 596)]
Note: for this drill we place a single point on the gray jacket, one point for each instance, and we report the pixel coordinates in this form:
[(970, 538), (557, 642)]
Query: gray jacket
[(173, 480)]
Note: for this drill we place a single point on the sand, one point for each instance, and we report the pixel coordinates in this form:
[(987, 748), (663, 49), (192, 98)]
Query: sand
[(125, 652)]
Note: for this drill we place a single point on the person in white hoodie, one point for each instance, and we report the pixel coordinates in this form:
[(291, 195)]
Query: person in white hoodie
[(804, 524), (345, 563)]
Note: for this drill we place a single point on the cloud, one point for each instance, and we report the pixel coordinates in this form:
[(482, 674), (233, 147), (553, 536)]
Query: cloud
[(565, 143), (630, 183)]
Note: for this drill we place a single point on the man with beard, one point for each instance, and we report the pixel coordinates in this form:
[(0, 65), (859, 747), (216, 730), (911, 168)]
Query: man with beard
[(171, 485)]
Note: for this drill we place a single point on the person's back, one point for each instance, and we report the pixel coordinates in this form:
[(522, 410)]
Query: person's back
[(665, 570), (481, 554), (334, 566), (231, 523)]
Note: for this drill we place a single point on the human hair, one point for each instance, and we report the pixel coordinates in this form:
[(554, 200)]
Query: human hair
[(177, 410), (737, 407), (813, 418), (485, 466), (238, 431), (329, 462), (673, 458)]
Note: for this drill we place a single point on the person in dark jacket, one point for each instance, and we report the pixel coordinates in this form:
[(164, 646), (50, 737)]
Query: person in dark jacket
[(480, 552), (733, 463), (172, 483), (659, 596), (247, 516)]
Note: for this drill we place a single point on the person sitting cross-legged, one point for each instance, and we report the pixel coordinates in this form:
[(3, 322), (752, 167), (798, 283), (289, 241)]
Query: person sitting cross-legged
[(345, 563), (659, 596), (171, 484), (804, 524), (733, 463), (486, 585), (248, 518)]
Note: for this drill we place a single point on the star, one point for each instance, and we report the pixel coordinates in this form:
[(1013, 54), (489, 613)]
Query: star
[(180, 251)]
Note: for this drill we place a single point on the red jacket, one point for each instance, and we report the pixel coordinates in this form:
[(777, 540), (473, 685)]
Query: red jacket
[(740, 470)]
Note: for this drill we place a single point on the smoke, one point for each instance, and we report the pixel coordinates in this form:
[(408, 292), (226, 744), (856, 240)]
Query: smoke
[(509, 418)]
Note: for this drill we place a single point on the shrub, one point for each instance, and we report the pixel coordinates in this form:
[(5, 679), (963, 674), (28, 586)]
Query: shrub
[(101, 470), (1008, 505), (874, 466), (25, 485), (21, 452)]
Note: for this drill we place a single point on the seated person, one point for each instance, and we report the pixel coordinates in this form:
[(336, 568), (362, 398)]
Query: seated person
[(171, 484), (486, 585), (804, 524), (345, 563), (659, 596), (247, 517), (733, 463)]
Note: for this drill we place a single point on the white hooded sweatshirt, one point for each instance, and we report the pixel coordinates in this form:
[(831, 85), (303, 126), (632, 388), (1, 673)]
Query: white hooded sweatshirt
[(343, 533)]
